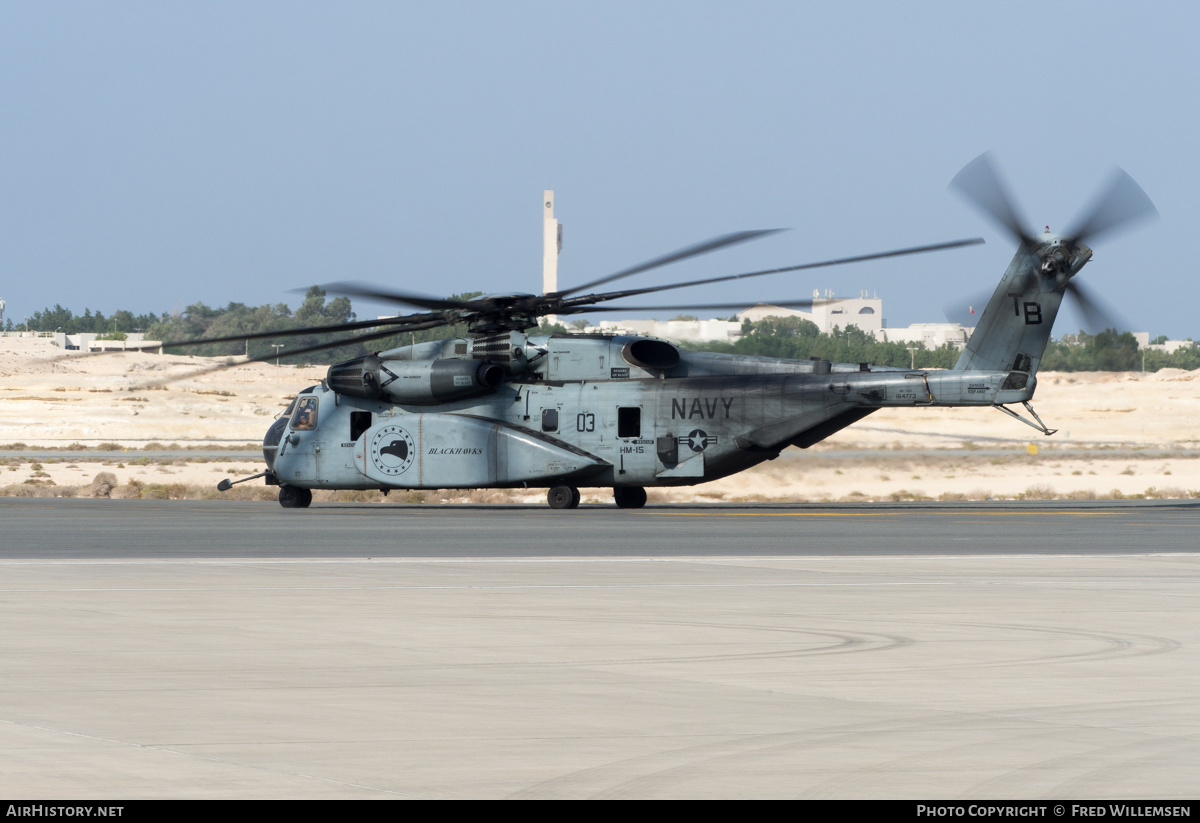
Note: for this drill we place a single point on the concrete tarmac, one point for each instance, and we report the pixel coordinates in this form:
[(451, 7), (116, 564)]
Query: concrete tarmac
[(170, 649)]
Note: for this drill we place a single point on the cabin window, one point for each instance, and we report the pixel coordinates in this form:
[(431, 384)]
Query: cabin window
[(549, 420), (305, 416), (629, 421), (360, 421)]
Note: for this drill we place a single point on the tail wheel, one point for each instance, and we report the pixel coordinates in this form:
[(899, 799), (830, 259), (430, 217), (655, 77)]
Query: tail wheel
[(292, 497), (563, 497), (629, 497)]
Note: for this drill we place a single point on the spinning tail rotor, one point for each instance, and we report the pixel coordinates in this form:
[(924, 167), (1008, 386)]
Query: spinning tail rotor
[(1119, 205), (1013, 331)]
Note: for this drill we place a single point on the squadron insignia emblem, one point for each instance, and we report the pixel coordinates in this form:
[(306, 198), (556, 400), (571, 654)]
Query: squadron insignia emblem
[(392, 450)]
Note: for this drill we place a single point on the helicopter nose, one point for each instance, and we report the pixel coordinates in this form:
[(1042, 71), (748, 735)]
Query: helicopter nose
[(271, 441)]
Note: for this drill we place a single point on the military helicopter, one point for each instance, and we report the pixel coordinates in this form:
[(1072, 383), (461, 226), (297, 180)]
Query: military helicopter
[(502, 408)]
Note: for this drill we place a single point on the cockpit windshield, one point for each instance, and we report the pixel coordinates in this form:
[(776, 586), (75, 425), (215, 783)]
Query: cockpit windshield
[(305, 416), (291, 407)]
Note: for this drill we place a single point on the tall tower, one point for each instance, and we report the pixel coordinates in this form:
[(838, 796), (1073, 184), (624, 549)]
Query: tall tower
[(551, 246)]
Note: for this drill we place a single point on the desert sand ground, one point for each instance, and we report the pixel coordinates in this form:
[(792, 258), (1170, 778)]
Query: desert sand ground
[(1120, 434)]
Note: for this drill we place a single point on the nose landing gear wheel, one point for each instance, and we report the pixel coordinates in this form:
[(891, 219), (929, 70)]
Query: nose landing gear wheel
[(292, 497), (629, 497), (563, 497)]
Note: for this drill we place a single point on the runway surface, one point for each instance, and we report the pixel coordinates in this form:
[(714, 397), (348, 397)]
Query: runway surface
[(171, 649), (82, 528)]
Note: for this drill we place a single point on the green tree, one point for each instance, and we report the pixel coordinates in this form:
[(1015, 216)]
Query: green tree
[(1109, 350), (52, 319), (795, 338)]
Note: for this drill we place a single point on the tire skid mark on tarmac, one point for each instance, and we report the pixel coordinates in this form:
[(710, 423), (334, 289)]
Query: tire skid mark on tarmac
[(1015, 782), (950, 758), (223, 761), (1089, 773), (877, 736), (638, 776), (1115, 646), (1071, 709), (840, 643), (844, 642), (683, 769)]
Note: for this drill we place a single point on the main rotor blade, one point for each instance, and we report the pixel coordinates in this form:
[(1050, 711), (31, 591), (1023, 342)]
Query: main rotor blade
[(675, 256), (428, 324), (307, 350), (980, 183), (783, 304), (265, 335), (1120, 203), (604, 297), (1097, 315), (406, 298)]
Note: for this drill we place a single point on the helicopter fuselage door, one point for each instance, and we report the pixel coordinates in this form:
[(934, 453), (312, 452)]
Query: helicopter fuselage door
[(632, 427), (296, 460), (359, 422)]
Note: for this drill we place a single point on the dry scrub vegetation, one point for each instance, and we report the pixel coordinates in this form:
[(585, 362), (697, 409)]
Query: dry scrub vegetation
[(136, 490)]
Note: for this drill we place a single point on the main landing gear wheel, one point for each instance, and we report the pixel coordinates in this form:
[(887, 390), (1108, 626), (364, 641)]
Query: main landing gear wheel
[(292, 497), (563, 497), (629, 497)]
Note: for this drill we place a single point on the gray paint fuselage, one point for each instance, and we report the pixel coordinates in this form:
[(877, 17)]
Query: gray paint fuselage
[(708, 416)]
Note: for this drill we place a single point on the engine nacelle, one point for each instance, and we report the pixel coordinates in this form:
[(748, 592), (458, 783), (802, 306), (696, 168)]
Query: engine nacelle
[(414, 382)]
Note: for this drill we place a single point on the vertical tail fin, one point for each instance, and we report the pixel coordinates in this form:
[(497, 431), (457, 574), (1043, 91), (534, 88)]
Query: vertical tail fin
[(1015, 327)]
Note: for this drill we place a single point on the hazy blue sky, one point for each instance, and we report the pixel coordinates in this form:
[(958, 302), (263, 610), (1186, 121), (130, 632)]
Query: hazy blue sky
[(159, 154)]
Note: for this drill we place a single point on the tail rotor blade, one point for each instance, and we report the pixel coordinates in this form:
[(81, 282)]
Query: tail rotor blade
[(980, 183), (1097, 315), (1121, 203)]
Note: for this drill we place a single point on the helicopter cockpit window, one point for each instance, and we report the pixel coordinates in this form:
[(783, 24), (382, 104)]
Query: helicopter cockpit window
[(305, 417), (291, 407), (549, 420)]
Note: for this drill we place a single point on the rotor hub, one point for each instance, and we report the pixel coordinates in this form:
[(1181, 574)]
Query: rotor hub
[(1055, 259)]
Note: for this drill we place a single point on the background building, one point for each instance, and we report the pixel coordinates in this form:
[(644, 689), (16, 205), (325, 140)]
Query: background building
[(828, 312)]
